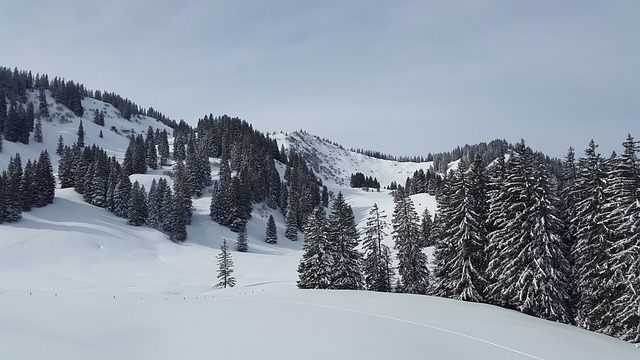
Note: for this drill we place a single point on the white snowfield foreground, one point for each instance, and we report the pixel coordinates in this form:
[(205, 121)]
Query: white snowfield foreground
[(276, 321)]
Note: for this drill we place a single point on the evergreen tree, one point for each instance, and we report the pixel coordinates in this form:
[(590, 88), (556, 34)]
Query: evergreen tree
[(342, 235), (80, 141), (271, 236), (622, 209), (1, 142), (181, 207), (412, 262), (242, 244), (121, 196), (37, 134), (60, 147), (43, 108), (592, 252), (460, 249), (137, 205), (530, 268), (45, 181), (153, 206), (291, 221), (378, 271), (425, 228), (225, 267), (14, 197), (315, 268), (567, 208), (163, 148)]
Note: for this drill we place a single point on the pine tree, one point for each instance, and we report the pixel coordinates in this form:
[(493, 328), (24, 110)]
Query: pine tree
[(378, 271), (622, 209), (153, 206), (37, 133), (43, 108), (163, 148), (225, 267), (80, 141), (137, 205), (342, 235), (315, 267), (567, 208), (529, 267), (14, 197), (426, 224), (271, 236), (60, 147), (460, 249), (592, 254), (45, 181), (121, 196), (242, 244), (291, 221), (412, 262)]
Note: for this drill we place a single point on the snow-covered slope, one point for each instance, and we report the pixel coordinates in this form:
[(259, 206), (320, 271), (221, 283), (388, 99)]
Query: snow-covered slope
[(76, 282), (334, 164), (64, 123)]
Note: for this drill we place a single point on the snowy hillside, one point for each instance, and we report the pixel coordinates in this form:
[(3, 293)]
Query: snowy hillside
[(334, 165), (77, 282), (64, 123)]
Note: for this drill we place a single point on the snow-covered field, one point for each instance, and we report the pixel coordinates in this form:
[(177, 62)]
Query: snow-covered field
[(76, 282)]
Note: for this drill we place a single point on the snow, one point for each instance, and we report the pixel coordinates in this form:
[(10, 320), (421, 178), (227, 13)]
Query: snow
[(76, 282)]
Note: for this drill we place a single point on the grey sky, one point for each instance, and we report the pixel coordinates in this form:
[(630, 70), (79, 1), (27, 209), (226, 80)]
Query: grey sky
[(402, 77)]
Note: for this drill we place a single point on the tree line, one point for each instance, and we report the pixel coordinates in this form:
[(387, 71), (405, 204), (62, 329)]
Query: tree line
[(509, 236), (22, 189)]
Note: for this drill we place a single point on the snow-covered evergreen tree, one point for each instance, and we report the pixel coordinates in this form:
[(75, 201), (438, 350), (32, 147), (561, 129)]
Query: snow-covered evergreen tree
[(242, 244), (622, 211), (343, 237), (412, 262), (271, 236), (315, 268), (377, 268), (460, 249), (225, 267), (137, 205), (592, 252), (291, 223), (529, 268)]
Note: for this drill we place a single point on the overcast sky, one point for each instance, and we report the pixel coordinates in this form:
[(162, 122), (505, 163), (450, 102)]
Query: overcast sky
[(401, 77)]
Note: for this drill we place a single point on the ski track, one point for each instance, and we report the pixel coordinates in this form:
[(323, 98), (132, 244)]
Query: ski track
[(407, 322)]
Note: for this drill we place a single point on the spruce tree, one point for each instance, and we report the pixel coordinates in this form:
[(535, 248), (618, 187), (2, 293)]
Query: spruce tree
[(377, 268), (225, 267), (60, 147), (412, 262), (121, 196), (315, 268), (271, 236), (426, 224), (45, 181), (343, 237), (291, 222), (153, 206), (242, 244), (37, 133), (137, 205), (592, 253), (80, 141), (529, 267), (622, 208)]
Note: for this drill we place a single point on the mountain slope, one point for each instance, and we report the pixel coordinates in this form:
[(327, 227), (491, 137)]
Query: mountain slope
[(334, 164)]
